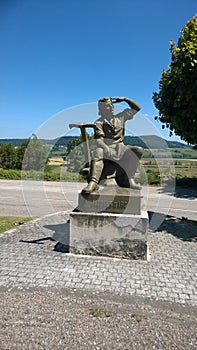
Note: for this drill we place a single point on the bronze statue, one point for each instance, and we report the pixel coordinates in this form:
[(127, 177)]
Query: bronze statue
[(111, 155)]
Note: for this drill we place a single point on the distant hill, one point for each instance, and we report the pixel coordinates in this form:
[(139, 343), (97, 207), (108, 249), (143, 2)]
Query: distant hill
[(15, 142), (146, 141), (152, 142), (62, 141)]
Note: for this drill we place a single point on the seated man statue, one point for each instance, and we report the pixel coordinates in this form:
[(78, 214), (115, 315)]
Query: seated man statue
[(111, 155)]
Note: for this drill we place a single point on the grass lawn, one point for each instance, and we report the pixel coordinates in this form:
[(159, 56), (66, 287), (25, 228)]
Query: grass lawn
[(8, 222)]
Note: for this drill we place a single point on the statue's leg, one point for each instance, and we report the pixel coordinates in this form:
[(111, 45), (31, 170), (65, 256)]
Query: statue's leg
[(109, 170), (97, 165), (128, 166)]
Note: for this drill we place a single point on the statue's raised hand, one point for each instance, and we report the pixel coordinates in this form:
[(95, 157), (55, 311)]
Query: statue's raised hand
[(117, 99)]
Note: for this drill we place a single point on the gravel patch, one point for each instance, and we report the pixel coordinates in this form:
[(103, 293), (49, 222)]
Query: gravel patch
[(71, 319)]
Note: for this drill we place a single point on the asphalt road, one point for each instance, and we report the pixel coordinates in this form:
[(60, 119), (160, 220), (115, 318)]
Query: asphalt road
[(37, 198)]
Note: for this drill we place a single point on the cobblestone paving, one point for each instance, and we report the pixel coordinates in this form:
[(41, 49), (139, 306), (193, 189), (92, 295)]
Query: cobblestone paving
[(29, 258)]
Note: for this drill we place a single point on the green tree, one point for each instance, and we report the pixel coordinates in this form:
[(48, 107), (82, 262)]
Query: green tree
[(36, 155), (74, 155), (8, 156), (21, 152), (176, 99)]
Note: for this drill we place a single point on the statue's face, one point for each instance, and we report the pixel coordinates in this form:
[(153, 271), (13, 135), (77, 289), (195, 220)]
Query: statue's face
[(105, 108)]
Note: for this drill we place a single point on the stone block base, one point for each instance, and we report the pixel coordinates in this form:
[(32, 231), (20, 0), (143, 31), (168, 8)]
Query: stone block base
[(107, 234), (111, 199)]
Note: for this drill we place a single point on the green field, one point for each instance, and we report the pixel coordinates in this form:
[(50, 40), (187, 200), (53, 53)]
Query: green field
[(181, 167), (175, 153)]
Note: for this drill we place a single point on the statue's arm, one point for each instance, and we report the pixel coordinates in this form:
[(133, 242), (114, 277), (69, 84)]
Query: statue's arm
[(132, 104), (129, 112)]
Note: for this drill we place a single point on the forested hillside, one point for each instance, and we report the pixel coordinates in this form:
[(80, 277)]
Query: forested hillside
[(150, 141)]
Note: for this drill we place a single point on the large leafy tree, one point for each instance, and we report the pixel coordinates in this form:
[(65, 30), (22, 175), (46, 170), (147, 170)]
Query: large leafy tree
[(177, 96)]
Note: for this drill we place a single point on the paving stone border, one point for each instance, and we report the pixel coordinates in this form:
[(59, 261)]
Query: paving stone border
[(30, 256)]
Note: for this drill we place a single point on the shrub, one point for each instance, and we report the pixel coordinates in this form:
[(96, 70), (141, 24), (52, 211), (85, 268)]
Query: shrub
[(10, 174)]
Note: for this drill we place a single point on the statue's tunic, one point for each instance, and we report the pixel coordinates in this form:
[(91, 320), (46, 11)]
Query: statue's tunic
[(112, 131)]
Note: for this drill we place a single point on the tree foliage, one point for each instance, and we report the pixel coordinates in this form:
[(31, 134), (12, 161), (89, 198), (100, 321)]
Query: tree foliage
[(74, 154), (177, 96), (21, 152), (8, 156), (31, 154)]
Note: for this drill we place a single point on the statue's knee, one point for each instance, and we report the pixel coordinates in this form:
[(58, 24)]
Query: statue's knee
[(98, 153), (138, 151)]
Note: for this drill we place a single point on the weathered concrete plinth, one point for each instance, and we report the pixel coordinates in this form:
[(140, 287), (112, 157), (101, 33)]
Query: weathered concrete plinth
[(110, 222), (108, 234)]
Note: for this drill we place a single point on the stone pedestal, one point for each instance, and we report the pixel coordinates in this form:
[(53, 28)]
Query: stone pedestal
[(108, 234), (110, 222), (112, 199)]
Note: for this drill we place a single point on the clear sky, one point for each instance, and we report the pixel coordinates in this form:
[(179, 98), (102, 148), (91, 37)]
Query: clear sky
[(58, 54)]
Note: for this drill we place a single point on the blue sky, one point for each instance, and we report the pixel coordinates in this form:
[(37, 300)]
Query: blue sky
[(58, 54)]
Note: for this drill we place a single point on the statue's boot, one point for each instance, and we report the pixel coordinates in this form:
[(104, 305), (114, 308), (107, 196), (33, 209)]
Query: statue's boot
[(91, 187), (132, 167), (133, 185), (127, 181), (95, 175)]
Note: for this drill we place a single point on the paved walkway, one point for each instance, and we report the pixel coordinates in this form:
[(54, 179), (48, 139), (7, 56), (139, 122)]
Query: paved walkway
[(29, 257)]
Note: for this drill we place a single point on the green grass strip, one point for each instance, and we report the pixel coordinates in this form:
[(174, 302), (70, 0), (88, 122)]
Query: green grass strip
[(8, 222)]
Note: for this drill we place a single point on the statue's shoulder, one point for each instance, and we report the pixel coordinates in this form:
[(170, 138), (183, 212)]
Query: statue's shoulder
[(126, 114), (98, 121)]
